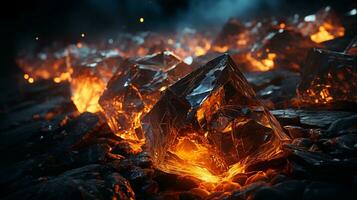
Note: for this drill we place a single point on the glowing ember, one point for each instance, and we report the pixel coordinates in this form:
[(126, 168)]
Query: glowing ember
[(31, 80), (210, 125)]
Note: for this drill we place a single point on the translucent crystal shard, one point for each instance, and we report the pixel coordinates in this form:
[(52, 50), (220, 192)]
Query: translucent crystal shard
[(328, 77), (210, 124), (132, 92)]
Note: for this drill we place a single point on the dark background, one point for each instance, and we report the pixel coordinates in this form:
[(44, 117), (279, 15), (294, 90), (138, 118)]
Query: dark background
[(65, 20)]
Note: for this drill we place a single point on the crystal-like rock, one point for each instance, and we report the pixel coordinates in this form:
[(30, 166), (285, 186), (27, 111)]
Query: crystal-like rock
[(132, 92), (328, 77), (210, 123)]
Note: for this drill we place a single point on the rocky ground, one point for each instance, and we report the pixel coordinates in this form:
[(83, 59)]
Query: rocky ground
[(50, 151)]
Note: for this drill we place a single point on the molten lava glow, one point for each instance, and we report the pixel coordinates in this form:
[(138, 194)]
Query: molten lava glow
[(261, 65), (86, 91), (190, 157), (327, 32), (192, 154), (198, 160)]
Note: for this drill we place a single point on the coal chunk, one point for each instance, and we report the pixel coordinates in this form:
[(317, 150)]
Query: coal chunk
[(88, 182)]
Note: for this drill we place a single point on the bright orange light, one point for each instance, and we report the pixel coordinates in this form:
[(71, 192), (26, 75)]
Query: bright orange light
[(263, 65), (57, 80), (195, 159), (327, 32), (202, 49), (86, 91), (321, 94), (26, 76), (79, 45), (282, 26), (163, 88), (220, 49), (31, 80)]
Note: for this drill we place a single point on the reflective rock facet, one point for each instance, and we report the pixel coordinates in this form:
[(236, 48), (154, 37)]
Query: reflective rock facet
[(211, 125)]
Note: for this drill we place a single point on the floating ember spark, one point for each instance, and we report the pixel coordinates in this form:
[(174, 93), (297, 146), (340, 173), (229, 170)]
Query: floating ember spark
[(31, 80), (210, 125), (26, 76)]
